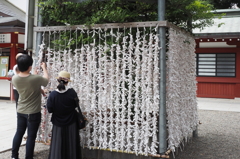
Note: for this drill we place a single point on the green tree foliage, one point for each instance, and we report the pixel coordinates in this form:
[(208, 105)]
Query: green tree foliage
[(223, 4), (180, 12), (57, 12), (189, 14)]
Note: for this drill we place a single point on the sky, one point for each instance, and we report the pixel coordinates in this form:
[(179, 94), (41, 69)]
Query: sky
[(19, 3)]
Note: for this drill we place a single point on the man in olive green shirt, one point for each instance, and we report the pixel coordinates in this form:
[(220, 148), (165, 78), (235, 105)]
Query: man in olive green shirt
[(29, 104)]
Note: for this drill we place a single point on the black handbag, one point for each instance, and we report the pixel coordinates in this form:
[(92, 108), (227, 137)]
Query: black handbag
[(81, 119)]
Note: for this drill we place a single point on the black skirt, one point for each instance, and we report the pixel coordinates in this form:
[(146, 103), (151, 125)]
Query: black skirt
[(65, 143)]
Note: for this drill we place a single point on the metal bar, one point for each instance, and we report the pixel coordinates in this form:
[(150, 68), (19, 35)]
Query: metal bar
[(162, 106), (39, 34), (131, 152), (107, 25), (29, 25)]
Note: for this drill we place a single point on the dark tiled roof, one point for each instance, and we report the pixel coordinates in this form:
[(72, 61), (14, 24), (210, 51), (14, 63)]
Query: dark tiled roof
[(11, 21)]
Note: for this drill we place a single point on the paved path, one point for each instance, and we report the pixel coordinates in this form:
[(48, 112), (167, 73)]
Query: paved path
[(7, 124), (219, 104), (8, 116)]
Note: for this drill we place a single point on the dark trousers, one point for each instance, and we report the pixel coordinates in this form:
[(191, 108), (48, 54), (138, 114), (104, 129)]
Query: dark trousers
[(16, 96), (30, 122)]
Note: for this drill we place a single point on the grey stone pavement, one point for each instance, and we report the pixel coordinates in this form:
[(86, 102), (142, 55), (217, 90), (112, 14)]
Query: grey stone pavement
[(7, 124), (8, 118)]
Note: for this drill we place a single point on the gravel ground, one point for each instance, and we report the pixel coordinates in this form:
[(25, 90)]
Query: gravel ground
[(218, 138), (41, 152)]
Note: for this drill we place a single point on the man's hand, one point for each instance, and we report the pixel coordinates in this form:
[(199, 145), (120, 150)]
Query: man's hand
[(35, 71), (45, 72), (43, 65)]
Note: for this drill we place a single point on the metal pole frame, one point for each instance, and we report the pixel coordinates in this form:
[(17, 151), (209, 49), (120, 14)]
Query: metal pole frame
[(105, 26), (162, 25), (39, 34), (29, 25), (162, 107)]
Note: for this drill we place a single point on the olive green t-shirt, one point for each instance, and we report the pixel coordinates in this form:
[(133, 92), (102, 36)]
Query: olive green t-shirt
[(29, 89)]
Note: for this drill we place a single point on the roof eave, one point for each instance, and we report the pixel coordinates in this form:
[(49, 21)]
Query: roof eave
[(21, 15), (217, 35), (4, 29)]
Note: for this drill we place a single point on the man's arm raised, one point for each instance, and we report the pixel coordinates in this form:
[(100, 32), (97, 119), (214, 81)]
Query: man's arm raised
[(45, 72)]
